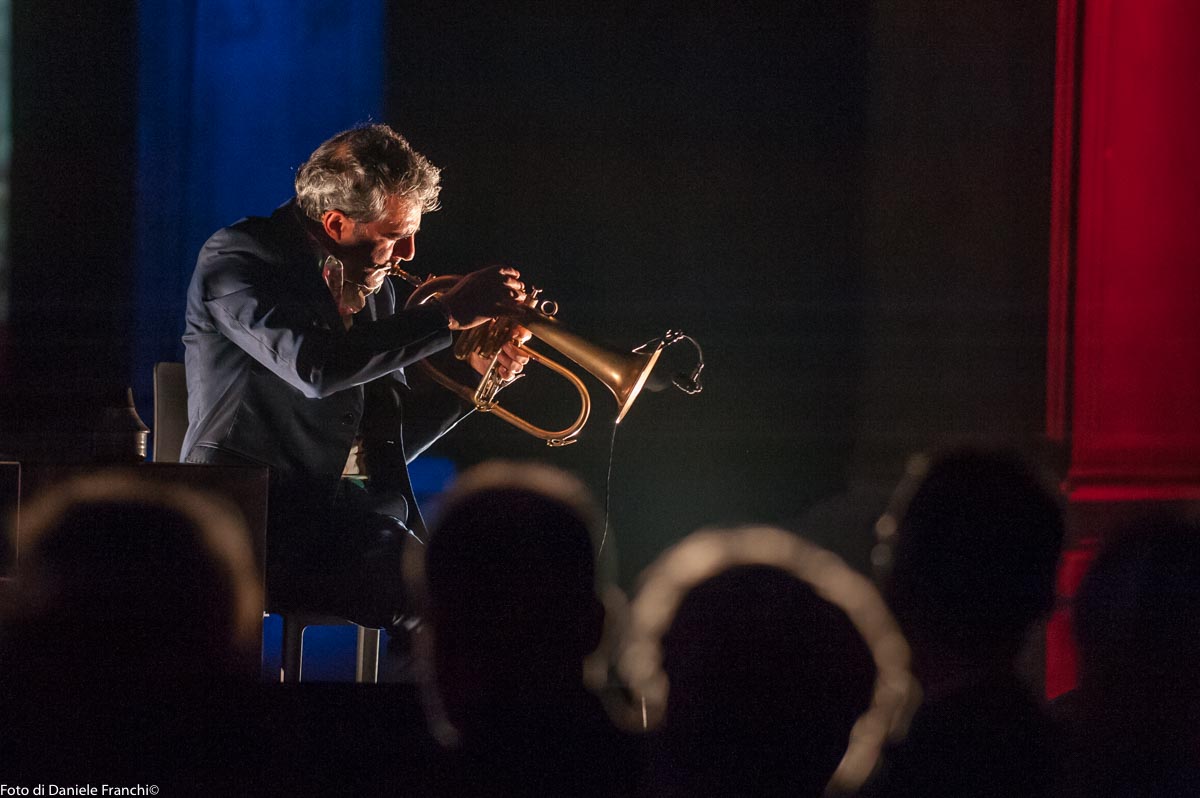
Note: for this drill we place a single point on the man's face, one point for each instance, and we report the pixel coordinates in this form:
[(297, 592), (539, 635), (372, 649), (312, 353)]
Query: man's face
[(369, 248)]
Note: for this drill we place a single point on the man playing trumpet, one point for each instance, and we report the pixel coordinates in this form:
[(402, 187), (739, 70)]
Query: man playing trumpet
[(297, 348)]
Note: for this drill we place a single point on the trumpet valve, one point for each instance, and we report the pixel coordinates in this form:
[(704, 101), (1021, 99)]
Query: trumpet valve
[(543, 307), (489, 387)]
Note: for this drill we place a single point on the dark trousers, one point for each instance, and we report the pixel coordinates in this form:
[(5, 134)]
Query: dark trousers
[(344, 557), (334, 547)]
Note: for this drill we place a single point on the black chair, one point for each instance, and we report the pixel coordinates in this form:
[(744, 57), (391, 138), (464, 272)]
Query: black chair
[(170, 426)]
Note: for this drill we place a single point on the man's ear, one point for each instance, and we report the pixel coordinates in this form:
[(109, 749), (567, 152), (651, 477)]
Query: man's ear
[(337, 225)]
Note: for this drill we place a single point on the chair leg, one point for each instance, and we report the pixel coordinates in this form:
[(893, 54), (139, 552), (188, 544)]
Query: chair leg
[(293, 650), (366, 668)]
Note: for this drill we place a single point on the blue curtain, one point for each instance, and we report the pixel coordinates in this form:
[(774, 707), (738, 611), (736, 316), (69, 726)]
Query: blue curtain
[(233, 95)]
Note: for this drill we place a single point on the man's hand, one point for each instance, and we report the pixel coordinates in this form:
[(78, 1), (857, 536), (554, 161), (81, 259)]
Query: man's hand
[(482, 295), (510, 361)]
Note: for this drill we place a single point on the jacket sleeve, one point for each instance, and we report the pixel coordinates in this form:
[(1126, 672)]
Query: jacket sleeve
[(275, 313)]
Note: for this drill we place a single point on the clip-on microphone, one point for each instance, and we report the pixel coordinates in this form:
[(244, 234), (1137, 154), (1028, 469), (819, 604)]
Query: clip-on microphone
[(688, 383)]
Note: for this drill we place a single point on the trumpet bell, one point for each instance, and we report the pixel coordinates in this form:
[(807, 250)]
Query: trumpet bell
[(623, 373), (641, 369)]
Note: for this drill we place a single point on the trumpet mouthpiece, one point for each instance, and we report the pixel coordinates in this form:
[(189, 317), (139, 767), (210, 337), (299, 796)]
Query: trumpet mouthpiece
[(394, 270)]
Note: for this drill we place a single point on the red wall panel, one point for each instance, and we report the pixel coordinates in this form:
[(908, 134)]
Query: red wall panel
[(1136, 370), (1123, 359)]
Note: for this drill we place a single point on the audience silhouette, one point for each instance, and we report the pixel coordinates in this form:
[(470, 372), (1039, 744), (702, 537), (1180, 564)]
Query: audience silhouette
[(1133, 719), (133, 612), (761, 664), (507, 590), (970, 550), (751, 650)]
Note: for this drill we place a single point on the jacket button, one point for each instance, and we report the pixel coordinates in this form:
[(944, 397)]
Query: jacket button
[(348, 418)]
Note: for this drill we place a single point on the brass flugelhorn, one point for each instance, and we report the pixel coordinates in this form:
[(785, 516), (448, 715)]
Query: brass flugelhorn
[(623, 373)]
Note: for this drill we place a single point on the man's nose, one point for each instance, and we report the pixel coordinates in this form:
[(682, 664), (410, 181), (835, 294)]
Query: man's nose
[(405, 248)]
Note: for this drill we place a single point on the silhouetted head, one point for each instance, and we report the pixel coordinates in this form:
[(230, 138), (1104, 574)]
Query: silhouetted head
[(1135, 621), (126, 579), (507, 584), (971, 545), (750, 648)]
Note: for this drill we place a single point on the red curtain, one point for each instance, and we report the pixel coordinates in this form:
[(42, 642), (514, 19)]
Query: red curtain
[(1124, 353)]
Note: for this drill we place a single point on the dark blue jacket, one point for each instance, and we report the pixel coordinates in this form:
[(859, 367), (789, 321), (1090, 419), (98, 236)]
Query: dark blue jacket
[(274, 377)]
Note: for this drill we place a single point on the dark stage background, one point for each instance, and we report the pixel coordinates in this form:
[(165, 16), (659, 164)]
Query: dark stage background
[(846, 203)]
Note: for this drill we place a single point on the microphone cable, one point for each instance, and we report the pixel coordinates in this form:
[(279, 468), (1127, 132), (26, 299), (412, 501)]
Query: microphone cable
[(688, 382)]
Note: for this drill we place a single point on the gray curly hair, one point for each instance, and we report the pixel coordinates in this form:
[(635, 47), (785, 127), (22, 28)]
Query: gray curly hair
[(358, 169)]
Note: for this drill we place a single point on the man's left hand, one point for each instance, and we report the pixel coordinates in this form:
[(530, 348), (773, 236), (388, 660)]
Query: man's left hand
[(511, 360)]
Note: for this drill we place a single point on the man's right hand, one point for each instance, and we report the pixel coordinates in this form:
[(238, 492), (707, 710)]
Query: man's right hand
[(480, 296)]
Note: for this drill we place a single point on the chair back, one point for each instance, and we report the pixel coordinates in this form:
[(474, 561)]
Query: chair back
[(170, 411)]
